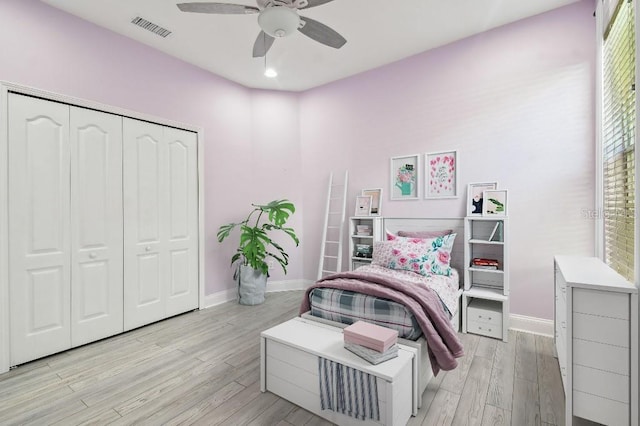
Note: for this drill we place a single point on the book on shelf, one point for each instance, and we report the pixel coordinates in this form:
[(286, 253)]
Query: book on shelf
[(482, 263), (363, 230), (372, 356), (496, 234), (488, 267)]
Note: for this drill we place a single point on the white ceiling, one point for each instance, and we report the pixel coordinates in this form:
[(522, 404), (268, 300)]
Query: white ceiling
[(378, 32)]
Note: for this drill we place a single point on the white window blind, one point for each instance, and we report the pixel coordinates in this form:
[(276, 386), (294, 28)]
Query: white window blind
[(618, 140)]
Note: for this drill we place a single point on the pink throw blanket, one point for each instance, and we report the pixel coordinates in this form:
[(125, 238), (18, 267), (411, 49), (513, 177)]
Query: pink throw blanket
[(442, 340)]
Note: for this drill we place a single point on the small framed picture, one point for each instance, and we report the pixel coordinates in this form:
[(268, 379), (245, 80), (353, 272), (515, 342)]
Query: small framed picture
[(494, 202), (441, 174), (363, 205), (376, 200), (474, 196), (404, 177)]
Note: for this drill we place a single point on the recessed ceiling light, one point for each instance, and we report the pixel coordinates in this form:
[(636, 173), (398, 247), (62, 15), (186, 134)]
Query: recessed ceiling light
[(271, 73)]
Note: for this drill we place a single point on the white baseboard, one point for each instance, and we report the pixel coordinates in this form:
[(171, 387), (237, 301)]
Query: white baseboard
[(231, 294), (532, 325), (220, 297)]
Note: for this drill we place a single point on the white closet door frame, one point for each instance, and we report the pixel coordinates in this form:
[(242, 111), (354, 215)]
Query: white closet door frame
[(5, 88)]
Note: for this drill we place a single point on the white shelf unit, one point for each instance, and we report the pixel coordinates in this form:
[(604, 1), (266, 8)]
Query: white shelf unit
[(489, 288), (375, 225)]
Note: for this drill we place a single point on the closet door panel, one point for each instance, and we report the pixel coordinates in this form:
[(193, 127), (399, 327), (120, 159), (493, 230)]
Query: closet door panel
[(144, 154), (182, 225), (39, 196), (97, 225)]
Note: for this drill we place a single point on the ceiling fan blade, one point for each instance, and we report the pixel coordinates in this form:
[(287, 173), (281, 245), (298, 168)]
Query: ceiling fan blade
[(314, 3), (217, 8), (321, 33), (262, 45)]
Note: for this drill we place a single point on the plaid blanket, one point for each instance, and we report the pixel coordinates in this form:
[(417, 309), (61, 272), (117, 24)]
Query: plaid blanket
[(348, 307)]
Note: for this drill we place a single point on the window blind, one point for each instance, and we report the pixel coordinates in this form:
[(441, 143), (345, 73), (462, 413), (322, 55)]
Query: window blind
[(618, 58)]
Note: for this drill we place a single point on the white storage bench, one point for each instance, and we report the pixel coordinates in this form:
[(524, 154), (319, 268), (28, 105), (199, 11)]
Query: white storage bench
[(289, 368)]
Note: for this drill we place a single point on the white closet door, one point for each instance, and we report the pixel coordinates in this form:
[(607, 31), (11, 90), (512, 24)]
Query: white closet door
[(145, 250), (39, 254), (182, 221), (96, 225)]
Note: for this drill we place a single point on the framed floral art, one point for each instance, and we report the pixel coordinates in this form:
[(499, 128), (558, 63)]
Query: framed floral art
[(405, 177), (441, 174)]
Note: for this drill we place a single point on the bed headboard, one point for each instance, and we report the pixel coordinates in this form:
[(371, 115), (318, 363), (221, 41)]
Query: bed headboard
[(394, 225)]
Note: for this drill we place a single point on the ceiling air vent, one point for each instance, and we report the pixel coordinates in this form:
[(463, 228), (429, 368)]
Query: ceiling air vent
[(150, 26)]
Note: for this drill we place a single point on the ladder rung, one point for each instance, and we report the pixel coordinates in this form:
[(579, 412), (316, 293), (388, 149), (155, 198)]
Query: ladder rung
[(332, 242), (335, 212), (324, 270), (330, 257), (333, 227)]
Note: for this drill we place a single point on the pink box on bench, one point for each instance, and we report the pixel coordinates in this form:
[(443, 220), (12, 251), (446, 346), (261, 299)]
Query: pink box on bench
[(370, 335)]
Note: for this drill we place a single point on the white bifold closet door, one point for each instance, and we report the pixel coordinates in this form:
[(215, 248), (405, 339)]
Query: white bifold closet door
[(160, 222), (65, 215), (39, 240), (96, 226)]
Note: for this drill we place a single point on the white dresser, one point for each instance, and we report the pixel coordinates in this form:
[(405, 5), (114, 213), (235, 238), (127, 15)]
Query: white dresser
[(596, 339)]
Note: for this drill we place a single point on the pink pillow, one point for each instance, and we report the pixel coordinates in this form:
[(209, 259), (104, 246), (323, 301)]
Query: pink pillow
[(423, 256), (425, 234)]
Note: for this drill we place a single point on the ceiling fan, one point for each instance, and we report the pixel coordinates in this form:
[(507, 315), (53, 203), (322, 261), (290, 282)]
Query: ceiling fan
[(277, 18)]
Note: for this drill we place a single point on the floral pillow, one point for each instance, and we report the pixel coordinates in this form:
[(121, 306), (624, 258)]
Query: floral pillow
[(423, 256)]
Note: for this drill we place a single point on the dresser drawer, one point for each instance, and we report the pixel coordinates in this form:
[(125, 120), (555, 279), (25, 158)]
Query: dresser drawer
[(601, 383), (601, 410), (601, 303), (614, 359), (484, 329), (485, 311), (601, 329)]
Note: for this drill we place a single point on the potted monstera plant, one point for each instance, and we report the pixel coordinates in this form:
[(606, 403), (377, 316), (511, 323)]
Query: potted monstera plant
[(256, 245)]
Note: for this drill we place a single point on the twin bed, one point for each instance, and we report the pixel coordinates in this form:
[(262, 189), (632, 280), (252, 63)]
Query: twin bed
[(423, 306)]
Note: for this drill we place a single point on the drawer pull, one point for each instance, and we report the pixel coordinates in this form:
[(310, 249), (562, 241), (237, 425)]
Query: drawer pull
[(564, 324), (480, 328)]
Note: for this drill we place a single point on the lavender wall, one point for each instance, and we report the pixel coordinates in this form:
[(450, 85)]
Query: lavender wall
[(248, 134), (517, 102)]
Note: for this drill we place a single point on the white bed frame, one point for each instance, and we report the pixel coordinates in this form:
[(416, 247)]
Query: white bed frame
[(393, 225)]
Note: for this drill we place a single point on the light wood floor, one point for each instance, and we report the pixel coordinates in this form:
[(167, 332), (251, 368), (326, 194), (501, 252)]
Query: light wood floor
[(203, 368)]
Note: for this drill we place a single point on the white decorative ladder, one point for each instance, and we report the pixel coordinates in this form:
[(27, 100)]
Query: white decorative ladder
[(331, 250)]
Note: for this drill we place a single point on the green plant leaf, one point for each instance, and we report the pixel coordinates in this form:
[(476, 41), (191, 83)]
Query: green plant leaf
[(255, 242), (224, 230)]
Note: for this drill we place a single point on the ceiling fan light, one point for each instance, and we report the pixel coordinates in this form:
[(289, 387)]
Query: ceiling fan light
[(271, 73), (278, 21)]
